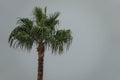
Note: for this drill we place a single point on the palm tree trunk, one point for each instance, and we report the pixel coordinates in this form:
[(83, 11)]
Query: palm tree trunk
[(40, 50)]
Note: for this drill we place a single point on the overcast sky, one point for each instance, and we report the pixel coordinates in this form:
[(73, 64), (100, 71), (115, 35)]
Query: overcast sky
[(93, 55)]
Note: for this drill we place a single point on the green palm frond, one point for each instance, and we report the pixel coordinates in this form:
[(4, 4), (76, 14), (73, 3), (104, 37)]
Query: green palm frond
[(20, 39), (21, 35), (40, 16), (60, 40), (25, 22), (52, 21)]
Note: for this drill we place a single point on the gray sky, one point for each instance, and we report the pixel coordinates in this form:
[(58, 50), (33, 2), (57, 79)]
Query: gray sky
[(93, 55)]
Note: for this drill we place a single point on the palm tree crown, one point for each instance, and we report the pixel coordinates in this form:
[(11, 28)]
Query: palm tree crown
[(42, 29)]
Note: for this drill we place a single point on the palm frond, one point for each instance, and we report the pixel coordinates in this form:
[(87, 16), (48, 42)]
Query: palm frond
[(39, 15), (20, 36), (62, 39), (52, 20)]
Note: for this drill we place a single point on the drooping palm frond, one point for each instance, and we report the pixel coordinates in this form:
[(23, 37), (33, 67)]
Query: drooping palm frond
[(25, 22), (21, 35), (60, 40)]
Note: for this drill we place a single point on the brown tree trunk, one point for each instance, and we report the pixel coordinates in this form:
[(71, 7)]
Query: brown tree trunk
[(40, 50)]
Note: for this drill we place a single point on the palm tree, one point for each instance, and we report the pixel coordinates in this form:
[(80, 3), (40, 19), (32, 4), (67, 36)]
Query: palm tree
[(43, 32)]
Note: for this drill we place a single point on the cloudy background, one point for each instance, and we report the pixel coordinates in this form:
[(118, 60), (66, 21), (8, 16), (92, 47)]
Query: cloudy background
[(93, 55)]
